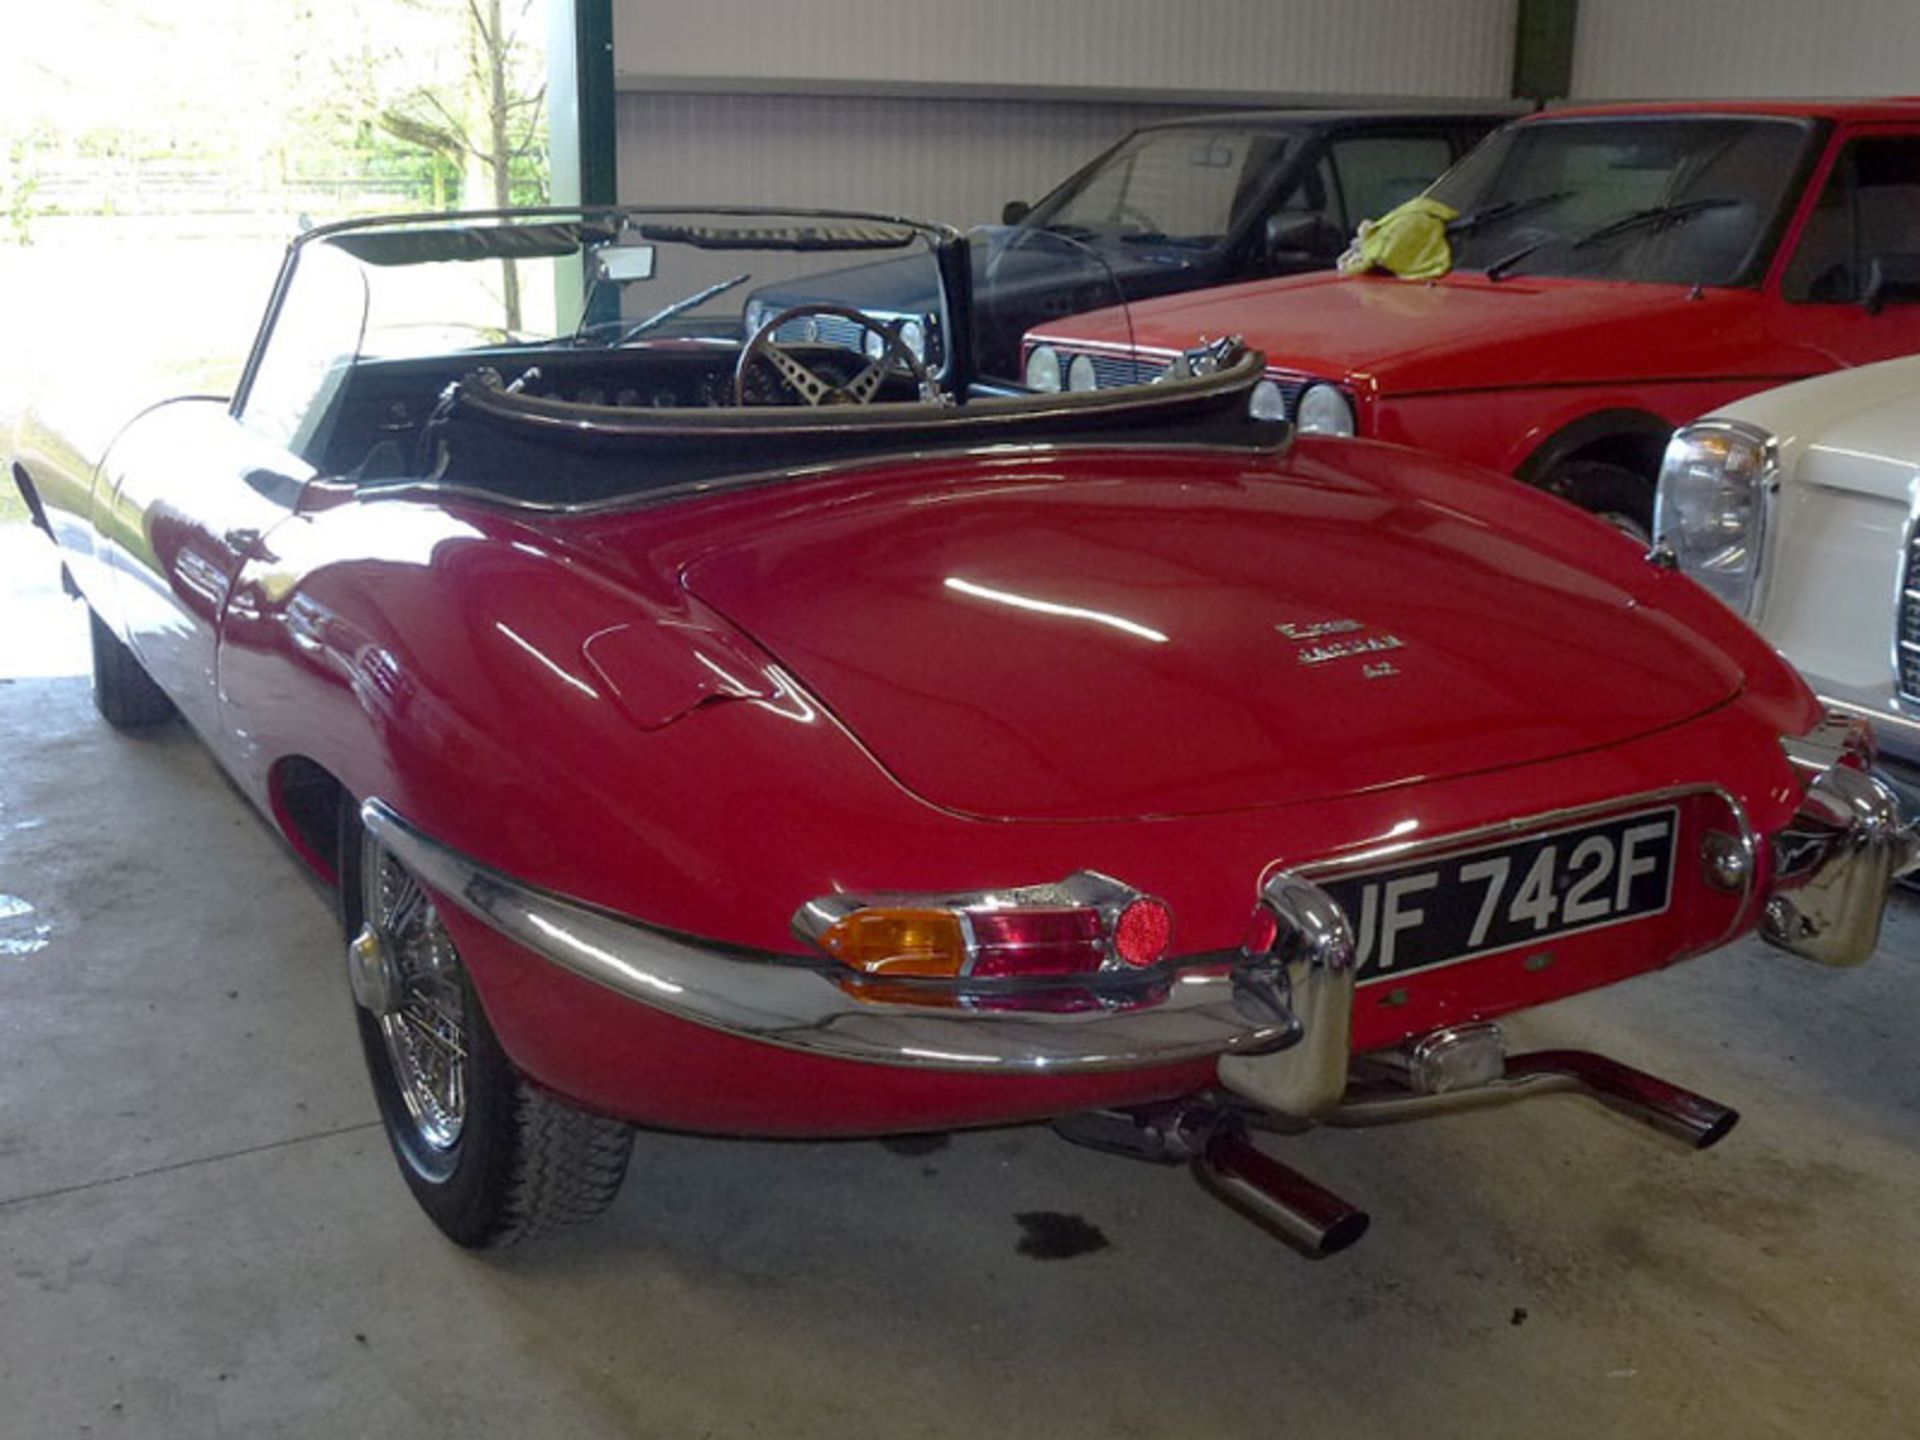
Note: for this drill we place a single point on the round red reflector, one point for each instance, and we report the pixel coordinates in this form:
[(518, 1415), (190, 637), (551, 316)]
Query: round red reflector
[(1144, 932)]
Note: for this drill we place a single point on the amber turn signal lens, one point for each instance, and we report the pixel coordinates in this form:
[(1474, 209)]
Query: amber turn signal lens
[(899, 942)]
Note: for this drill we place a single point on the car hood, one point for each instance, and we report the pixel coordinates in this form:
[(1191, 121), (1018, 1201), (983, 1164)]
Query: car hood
[(1119, 636), (1853, 430), (1460, 332)]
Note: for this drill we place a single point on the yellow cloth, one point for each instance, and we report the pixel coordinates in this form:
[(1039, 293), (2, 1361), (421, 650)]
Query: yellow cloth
[(1410, 241)]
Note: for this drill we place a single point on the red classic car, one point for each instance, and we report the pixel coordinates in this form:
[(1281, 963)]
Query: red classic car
[(711, 731), (1616, 272)]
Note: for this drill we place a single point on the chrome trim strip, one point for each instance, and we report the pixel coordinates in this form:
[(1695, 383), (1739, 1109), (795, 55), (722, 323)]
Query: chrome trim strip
[(1904, 584), (1903, 731), (796, 1004)]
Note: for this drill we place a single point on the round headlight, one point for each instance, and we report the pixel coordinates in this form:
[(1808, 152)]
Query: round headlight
[(1043, 369), (1324, 411), (1711, 505), (1268, 401), (1080, 374), (913, 335)]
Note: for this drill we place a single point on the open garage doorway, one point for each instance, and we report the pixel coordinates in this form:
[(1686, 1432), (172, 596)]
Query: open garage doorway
[(155, 158)]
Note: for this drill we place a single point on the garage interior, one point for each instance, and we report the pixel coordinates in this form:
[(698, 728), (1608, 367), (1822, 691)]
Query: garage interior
[(202, 1227)]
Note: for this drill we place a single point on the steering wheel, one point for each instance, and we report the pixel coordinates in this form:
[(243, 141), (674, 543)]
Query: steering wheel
[(815, 389)]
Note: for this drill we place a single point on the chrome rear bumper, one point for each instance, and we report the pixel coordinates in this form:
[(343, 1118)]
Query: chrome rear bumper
[(789, 1001)]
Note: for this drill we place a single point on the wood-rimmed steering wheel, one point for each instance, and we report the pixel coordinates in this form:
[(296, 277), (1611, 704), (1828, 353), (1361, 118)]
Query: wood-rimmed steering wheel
[(816, 389)]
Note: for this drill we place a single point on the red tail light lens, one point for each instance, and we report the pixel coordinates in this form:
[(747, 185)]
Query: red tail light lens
[(1037, 942), (1083, 925)]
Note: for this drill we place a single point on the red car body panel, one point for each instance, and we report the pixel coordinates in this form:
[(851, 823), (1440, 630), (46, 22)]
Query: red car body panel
[(1493, 372), (707, 712)]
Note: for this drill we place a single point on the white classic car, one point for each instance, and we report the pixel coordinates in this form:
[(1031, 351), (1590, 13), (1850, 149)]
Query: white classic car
[(1798, 507)]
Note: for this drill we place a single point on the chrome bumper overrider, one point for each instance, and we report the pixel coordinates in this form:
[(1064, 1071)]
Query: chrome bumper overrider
[(1835, 863), (788, 1001)]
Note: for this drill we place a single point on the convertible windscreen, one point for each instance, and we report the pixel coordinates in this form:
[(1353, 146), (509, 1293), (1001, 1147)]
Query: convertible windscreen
[(578, 358)]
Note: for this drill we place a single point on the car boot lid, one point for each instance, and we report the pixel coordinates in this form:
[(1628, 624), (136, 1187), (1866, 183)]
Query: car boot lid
[(1084, 638)]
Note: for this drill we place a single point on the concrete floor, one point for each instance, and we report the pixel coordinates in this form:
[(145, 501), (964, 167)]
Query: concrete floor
[(201, 1231)]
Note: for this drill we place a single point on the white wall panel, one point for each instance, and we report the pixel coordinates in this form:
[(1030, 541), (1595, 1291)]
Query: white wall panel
[(1301, 47), (1681, 48), (956, 160)]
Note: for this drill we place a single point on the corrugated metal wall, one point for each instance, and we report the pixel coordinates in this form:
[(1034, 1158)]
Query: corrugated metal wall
[(1645, 48), (1411, 47), (957, 160), (947, 109)]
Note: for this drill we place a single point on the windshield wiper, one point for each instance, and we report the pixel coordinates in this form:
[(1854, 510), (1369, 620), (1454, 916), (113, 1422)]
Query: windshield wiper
[(679, 307), (1657, 217), (1503, 210)]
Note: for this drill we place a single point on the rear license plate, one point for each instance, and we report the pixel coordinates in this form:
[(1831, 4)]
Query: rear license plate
[(1514, 893)]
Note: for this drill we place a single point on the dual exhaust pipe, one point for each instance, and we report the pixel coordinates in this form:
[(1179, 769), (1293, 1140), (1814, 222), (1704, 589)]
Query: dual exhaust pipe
[(1448, 1071)]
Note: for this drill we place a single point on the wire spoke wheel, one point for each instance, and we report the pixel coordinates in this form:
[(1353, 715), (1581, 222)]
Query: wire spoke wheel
[(426, 1033), (491, 1158)]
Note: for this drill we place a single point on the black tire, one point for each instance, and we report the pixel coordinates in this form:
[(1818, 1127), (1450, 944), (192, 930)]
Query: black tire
[(522, 1163), (1613, 492), (123, 693)]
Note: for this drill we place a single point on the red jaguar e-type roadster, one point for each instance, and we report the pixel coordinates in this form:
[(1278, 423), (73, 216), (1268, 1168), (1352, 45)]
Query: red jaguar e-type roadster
[(772, 736)]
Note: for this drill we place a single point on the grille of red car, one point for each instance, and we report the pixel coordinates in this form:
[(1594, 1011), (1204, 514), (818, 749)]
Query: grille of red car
[(1115, 370), (1906, 650)]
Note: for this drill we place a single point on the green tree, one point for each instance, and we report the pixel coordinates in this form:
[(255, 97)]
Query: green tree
[(487, 118)]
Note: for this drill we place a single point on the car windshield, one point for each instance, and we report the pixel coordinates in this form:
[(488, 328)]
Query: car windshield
[(484, 290), (579, 358), (1187, 186), (1683, 200)]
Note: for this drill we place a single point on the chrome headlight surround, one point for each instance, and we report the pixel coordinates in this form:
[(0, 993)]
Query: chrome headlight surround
[(1711, 509), (1324, 410)]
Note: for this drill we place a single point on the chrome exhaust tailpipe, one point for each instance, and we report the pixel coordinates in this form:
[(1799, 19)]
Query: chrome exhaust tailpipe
[(1466, 1068), (1309, 1217), (1692, 1119), (1213, 1139)]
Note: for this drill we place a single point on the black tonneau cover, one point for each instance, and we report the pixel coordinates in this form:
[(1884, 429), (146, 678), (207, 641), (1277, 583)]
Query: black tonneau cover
[(538, 451)]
